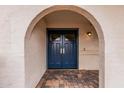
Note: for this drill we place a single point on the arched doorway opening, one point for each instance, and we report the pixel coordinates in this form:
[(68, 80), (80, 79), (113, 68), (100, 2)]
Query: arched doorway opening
[(34, 69)]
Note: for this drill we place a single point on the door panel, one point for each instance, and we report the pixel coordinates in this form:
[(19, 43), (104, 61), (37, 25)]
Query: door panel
[(54, 45), (62, 49), (69, 57)]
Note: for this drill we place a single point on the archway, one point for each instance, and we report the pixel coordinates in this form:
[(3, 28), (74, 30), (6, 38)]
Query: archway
[(50, 10)]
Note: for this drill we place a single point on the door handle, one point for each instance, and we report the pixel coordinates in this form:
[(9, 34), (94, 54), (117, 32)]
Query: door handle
[(60, 50), (63, 50)]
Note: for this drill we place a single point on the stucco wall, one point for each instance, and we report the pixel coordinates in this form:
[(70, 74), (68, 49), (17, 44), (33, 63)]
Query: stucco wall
[(36, 54), (14, 21)]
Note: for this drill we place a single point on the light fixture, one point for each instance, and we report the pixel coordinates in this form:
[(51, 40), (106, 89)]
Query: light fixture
[(89, 33)]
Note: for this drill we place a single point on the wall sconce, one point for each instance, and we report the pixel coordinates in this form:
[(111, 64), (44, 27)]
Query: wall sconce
[(89, 34)]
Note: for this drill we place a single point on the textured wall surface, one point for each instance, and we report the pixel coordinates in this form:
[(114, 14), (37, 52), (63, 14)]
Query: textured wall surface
[(37, 54)]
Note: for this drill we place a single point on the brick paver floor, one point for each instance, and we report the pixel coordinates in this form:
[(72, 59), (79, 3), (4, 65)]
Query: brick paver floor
[(70, 78)]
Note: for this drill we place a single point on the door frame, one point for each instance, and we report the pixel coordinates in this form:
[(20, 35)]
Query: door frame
[(77, 40)]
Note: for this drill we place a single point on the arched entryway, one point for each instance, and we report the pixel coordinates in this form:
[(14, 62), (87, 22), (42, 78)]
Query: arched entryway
[(32, 79)]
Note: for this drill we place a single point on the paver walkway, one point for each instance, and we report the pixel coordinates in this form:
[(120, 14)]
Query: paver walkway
[(70, 78)]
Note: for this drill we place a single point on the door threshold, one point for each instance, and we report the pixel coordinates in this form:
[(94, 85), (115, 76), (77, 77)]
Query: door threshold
[(63, 69)]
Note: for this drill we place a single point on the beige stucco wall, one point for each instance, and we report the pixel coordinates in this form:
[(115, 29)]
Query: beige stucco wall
[(36, 55), (14, 21)]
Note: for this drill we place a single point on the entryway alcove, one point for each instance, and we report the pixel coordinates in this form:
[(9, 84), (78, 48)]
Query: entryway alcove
[(52, 27)]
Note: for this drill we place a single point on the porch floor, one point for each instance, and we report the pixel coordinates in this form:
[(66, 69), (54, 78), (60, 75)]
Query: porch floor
[(69, 78)]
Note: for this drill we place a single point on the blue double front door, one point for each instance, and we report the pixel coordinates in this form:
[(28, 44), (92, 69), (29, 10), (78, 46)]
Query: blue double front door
[(62, 48)]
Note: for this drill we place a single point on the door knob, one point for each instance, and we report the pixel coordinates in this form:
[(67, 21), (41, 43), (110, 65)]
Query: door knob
[(63, 50), (60, 50)]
